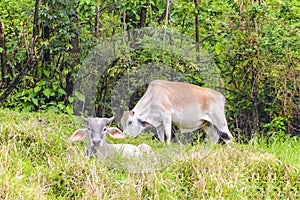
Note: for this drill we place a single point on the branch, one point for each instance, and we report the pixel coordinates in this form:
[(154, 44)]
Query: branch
[(163, 15), (212, 35)]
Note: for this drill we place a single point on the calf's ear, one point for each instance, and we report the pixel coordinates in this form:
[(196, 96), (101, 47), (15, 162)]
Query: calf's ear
[(110, 119), (78, 135), (87, 120), (115, 133)]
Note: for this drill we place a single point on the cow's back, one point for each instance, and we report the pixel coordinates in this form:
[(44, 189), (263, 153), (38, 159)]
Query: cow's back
[(184, 94), (187, 103)]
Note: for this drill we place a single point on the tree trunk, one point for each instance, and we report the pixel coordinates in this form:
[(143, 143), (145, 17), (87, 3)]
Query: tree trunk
[(97, 23), (35, 34), (197, 30), (243, 24), (74, 51), (143, 16), (3, 56), (254, 95), (35, 20), (255, 101), (167, 11), (74, 41), (46, 36)]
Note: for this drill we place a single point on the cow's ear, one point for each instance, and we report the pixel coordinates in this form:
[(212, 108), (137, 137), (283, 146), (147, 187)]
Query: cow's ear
[(144, 123), (78, 135), (115, 133)]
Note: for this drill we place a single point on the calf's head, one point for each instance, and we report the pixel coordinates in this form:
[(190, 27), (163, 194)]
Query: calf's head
[(132, 124), (96, 131)]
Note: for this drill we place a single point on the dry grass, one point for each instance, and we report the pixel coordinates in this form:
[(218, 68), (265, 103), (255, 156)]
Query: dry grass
[(38, 162)]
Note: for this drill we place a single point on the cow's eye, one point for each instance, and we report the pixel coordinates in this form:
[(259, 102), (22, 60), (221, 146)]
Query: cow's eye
[(129, 123), (89, 128), (104, 129)]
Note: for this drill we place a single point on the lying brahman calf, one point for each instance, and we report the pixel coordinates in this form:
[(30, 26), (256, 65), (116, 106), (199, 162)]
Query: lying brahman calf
[(187, 106), (96, 131)]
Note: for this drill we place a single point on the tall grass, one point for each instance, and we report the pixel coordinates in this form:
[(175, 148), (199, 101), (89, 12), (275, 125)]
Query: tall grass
[(38, 162), (286, 148)]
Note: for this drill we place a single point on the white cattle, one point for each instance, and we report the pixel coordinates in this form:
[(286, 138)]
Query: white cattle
[(96, 132), (187, 106)]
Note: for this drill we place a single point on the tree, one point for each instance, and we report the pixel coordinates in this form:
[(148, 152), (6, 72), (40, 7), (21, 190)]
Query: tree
[(253, 44)]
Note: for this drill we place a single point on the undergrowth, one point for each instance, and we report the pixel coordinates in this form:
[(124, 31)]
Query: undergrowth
[(38, 162)]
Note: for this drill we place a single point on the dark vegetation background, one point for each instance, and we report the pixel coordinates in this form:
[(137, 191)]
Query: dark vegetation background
[(254, 45)]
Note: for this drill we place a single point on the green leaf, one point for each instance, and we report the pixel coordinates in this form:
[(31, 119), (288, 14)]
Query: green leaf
[(41, 83), (69, 109), (35, 101), (28, 108), (70, 99), (221, 58), (46, 72), (228, 79), (61, 91), (80, 96), (219, 47), (37, 89), (47, 92), (31, 95)]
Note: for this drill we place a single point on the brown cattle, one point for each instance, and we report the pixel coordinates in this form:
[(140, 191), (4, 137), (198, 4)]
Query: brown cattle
[(187, 106)]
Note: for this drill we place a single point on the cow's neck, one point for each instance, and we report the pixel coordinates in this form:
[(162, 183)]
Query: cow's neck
[(143, 105), (142, 111)]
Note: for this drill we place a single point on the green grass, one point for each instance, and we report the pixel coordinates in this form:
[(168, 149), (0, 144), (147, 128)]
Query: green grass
[(38, 162), (286, 148)]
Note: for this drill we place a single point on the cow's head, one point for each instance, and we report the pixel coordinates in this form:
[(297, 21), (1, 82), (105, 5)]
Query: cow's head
[(96, 131), (132, 124)]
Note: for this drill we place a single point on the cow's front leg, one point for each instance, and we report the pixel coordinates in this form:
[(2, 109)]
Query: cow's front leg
[(167, 122), (212, 133), (160, 133)]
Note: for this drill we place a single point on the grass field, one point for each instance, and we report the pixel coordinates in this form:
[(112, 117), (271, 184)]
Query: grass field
[(38, 162)]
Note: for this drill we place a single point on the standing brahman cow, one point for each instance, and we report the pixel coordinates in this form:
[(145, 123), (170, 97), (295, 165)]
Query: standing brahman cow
[(187, 106)]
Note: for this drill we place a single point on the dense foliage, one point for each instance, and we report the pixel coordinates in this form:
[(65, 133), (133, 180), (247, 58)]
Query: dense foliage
[(253, 44)]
